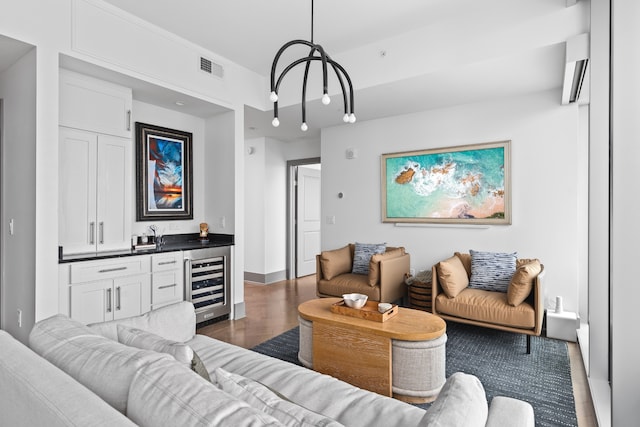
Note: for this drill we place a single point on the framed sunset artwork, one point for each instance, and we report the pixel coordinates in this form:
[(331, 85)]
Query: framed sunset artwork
[(467, 184), (163, 173)]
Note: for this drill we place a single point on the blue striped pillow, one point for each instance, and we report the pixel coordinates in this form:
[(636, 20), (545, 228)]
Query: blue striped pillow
[(362, 255), (492, 271)]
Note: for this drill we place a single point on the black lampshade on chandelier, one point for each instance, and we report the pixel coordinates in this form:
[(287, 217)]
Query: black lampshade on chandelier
[(317, 53)]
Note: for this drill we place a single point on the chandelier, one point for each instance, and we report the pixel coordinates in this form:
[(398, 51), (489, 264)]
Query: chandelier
[(316, 53)]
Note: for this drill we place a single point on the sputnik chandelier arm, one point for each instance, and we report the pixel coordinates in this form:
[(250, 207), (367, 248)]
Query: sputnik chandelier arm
[(316, 53)]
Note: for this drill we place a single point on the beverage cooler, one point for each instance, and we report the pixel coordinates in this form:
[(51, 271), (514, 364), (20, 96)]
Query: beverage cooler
[(207, 282)]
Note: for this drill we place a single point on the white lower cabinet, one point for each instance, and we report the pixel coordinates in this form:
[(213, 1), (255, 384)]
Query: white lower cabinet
[(109, 289), (167, 279), (110, 299)]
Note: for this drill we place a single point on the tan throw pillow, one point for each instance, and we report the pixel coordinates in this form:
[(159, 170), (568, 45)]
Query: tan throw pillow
[(374, 264), (522, 282), (452, 276), (466, 261), (522, 261), (335, 262)]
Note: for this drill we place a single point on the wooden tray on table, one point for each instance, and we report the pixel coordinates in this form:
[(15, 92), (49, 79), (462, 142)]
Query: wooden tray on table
[(369, 311)]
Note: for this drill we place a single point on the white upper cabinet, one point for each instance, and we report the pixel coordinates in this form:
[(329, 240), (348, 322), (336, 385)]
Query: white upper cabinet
[(95, 105), (95, 164), (95, 192)]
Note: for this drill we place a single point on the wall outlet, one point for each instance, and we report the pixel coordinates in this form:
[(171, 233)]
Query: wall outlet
[(19, 318), (412, 271), (222, 222)]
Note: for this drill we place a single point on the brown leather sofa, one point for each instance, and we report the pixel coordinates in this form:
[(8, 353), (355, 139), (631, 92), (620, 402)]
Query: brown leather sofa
[(385, 281), (490, 309)]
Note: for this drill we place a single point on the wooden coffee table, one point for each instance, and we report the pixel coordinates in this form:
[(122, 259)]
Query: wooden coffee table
[(403, 357)]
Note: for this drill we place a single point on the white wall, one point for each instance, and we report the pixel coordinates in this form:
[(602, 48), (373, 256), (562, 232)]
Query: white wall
[(275, 219), (266, 201), (255, 206), (151, 114), (545, 191), (18, 95)]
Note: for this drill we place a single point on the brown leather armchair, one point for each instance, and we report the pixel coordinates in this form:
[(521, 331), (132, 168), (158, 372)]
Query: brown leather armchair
[(487, 308), (384, 283)]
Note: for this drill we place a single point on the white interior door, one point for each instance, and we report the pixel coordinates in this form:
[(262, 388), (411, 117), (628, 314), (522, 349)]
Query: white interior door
[(308, 220)]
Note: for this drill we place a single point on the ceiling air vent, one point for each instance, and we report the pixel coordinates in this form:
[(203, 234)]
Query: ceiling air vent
[(210, 67)]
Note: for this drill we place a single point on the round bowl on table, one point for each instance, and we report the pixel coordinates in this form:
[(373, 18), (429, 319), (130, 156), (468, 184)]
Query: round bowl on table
[(355, 300), (384, 307)]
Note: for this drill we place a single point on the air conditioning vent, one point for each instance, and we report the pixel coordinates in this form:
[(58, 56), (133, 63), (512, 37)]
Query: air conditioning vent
[(210, 67)]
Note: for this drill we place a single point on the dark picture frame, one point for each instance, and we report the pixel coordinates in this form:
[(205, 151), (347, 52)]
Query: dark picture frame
[(164, 174), (469, 184)]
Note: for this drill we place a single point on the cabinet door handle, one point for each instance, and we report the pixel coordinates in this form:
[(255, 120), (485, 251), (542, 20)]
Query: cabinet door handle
[(109, 270), (168, 286), (187, 279), (117, 298), (92, 231), (109, 300), (101, 228), (167, 262), (128, 119)]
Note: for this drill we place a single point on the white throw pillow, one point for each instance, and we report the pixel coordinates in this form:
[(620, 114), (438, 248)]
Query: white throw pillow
[(175, 322), (104, 366), (462, 402), (138, 338), (261, 397)]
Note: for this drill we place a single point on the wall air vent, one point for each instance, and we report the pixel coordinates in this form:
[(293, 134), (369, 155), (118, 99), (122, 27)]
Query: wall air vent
[(210, 67)]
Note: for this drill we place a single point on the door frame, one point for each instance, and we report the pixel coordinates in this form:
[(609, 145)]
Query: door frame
[(291, 211)]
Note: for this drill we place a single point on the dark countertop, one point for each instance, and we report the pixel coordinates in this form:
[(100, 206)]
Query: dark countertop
[(172, 243)]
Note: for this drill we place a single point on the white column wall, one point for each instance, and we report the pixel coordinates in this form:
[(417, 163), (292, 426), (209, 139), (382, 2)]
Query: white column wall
[(625, 128), (18, 96), (255, 194), (594, 331)]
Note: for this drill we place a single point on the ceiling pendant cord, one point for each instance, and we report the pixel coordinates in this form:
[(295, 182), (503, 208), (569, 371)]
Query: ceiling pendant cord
[(340, 72)]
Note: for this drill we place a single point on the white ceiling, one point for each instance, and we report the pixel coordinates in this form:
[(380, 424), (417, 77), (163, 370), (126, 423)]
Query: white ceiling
[(403, 56)]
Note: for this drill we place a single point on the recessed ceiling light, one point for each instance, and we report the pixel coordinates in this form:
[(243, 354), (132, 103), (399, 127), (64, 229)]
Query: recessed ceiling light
[(179, 103)]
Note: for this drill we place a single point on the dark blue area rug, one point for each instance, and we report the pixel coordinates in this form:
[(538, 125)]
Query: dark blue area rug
[(499, 359)]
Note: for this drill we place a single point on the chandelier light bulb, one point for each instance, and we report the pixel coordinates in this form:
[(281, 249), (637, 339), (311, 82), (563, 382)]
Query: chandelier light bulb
[(304, 127), (275, 122), (352, 118), (273, 97), (325, 99), (345, 118)]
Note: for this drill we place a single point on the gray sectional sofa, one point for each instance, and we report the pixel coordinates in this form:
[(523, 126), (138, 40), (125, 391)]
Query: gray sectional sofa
[(76, 375)]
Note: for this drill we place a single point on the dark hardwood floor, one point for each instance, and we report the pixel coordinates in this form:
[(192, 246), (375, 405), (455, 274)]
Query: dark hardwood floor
[(272, 310)]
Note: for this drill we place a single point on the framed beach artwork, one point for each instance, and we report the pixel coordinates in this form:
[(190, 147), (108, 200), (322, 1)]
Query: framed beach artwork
[(455, 185), (163, 173)]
